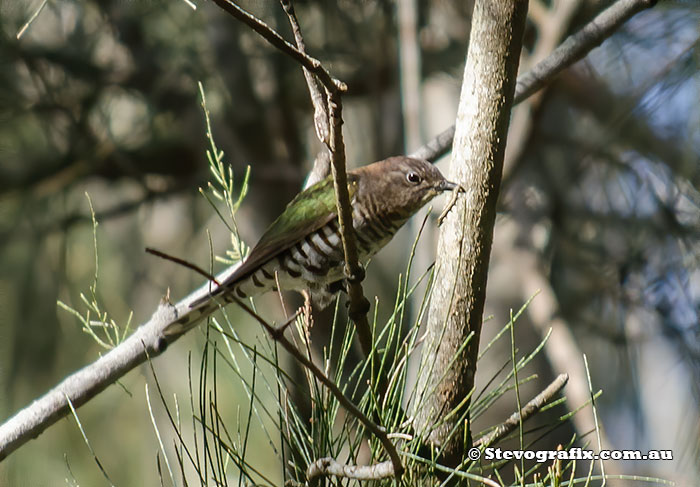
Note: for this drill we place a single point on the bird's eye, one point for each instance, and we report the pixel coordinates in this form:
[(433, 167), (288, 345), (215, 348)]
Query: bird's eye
[(413, 178)]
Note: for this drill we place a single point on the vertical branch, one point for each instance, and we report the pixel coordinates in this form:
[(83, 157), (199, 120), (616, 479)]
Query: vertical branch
[(464, 247), (359, 306)]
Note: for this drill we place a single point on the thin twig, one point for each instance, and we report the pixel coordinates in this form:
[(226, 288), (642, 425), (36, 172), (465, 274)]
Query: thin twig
[(32, 18), (574, 48), (277, 334), (184, 263), (271, 36), (321, 123), (529, 410)]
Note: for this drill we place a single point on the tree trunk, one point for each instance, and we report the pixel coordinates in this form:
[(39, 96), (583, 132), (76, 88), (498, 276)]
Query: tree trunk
[(464, 247)]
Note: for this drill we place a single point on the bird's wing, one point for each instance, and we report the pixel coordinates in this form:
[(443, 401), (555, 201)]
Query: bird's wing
[(307, 212)]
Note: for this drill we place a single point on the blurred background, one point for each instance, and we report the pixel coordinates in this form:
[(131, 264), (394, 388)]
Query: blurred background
[(599, 205)]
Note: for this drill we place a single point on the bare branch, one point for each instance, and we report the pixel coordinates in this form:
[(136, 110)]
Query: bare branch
[(329, 466), (574, 48), (168, 323), (317, 98), (578, 45), (526, 412)]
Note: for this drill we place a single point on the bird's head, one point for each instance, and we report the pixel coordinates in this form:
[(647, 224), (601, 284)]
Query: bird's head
[(402, 184)]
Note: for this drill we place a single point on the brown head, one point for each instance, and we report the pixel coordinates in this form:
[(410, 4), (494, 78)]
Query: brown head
[(400, 184)]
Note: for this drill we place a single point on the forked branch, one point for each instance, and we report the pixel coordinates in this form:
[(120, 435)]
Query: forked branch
[(359, 306)]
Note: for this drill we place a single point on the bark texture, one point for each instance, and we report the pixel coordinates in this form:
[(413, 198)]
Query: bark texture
[(464, 247)]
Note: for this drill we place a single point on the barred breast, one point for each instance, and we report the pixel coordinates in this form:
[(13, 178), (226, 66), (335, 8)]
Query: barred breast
[(317, 261)]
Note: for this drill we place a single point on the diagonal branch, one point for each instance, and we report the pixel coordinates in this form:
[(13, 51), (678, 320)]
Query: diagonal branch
[(168, 323), (271, 36), (277, 334), (573, 49), (526, 412)]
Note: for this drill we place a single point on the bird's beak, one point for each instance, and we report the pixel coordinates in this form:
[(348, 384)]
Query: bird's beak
[(446, 185)]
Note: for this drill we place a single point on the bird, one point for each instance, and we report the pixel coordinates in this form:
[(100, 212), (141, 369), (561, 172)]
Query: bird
[(302, 249)]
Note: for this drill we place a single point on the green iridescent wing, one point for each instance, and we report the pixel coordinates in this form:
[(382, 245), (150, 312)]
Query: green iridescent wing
[(307, 212)]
